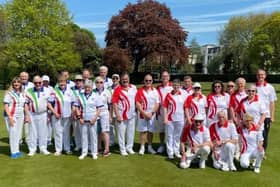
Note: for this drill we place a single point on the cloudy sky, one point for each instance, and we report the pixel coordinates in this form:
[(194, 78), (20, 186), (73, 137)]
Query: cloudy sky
[(203, 19)]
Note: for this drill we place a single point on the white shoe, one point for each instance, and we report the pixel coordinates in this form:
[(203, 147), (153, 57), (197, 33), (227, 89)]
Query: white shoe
[(257, 170), (225, 167), (142, 150), (69, 152), (57, 153), (183, 165), (45, 152), (124, 153), (232, 167), (217, 165), (178, 155), (161, 149), (82, 156), (171, 157), (151, 150), (130, 151), (254, 162), (31, 153), (202, 164), (94, 156)]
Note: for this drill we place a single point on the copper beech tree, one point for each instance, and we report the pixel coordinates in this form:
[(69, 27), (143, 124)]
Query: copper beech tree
[(146, 29)]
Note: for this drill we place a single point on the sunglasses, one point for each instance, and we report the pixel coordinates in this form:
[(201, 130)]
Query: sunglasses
[(198, 121), (148, 80), (230, 86), (196, 88), (251, 91), (78, 80), (115, 78), (217, 86), (37, 82), (99, 82)]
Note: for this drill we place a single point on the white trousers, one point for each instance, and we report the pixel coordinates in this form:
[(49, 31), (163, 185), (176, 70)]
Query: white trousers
[(91, 130), (203, 153), (38, 130), (126, 131), (15, 133), (173, 133), (61, 133), (226, 154), (77, 133), (249, 155)]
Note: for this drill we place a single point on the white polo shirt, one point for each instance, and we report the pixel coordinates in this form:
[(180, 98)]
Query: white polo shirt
[(174, 103), (62, 101), (147, 98), (250, 139), (217, 103), (163, 91), (267, 94), (27, 85), (196, 105), (125, 99), (105, 97), (195, 137), (89, 104), (220, 132), (38, 99), (15, 102)]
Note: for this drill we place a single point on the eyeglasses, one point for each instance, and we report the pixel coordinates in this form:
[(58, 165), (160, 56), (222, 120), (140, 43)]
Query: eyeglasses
[(198, 121), (99, 82), (115, 78), (230, 86), (218, 86), (251, 91), (148, 80), (37, 82)]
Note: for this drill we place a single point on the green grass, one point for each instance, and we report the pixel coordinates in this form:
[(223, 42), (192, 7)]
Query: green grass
[(147, 170)]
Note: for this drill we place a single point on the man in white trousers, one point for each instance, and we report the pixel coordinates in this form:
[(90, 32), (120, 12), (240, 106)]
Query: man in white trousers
[(123, 101), (252, 143), (38, 99), (224, 138), (197, 137)]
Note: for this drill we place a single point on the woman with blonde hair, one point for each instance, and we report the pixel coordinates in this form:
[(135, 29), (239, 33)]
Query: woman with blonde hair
[(14, 110)]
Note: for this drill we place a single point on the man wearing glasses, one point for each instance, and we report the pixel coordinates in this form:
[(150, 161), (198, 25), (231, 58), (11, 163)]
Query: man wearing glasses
[(147, 103), (197, 137), (37, 99)]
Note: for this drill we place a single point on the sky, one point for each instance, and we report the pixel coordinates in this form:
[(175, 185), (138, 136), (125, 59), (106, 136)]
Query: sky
[(203, 19)]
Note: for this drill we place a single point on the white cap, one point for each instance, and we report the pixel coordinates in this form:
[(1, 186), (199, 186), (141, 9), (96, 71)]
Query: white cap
[(46, 78), (78, 77), (197, 85), (199, 117)]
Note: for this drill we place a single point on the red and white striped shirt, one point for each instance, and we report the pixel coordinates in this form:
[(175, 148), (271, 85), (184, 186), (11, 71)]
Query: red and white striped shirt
[(195, 137), (125, 99), (174, 103), (220, 132), (15, 102), (196, 105), (217, 103), (236, 98)]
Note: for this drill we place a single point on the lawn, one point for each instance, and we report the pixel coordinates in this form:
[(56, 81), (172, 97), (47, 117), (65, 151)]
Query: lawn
[(135, 170)]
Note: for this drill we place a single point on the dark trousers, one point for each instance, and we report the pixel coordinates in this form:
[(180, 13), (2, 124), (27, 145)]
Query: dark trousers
[(267, 122)]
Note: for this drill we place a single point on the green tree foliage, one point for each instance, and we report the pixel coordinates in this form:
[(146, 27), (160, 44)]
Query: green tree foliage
[(195, 50), (147, 28), (265, 45), (235, 39), (86, 46), (40, 38)]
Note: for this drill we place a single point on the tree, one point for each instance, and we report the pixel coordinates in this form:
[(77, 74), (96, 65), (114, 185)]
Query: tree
[(40, 38), (147, 28), (195, 51), (235, 39), (3, 27), (86, 46), (265, 45)]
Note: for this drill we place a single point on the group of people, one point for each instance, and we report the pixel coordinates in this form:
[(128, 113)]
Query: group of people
[(232, 121)]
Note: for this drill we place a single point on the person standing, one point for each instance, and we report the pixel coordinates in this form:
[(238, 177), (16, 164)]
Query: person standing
[(103, 72), (37, 99), (230, 87), (217, 100), (195, 103), (147, 103), (61, 104), (173, 107), (163, 89), (187, 86), (86, 75), (197, 137), (224, 138), (267, 94), (65, 74), (123, 101), (89, 110), (15, 113), (252, 143)]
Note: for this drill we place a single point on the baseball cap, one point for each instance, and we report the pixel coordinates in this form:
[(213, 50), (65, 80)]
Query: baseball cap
[(46, 78), (197, 85), (78, 77), (199, 117), (116, 75)]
